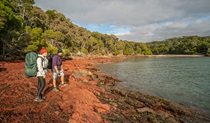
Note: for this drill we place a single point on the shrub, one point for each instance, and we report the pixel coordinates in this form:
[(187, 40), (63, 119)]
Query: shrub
[(66, 52), (117, 52), (85, 51)]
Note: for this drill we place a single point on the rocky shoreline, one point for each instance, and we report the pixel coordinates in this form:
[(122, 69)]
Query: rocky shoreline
[(90, 97), (134, 106)]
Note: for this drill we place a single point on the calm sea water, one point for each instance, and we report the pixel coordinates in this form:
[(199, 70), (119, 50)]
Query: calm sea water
[(182, 80)]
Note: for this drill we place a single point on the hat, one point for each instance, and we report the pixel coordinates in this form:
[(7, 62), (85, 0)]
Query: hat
[(60, 51), (43, 50)]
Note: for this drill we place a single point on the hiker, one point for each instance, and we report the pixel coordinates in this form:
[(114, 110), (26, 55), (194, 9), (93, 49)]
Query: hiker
[(57, 69), (42, 64)]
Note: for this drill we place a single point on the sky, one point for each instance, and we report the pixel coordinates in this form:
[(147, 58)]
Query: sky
[(137, 20)]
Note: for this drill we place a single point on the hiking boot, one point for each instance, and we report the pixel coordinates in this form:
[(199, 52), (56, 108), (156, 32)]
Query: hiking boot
[(38, 100), (55, 89), (43, 97), (64, 85)]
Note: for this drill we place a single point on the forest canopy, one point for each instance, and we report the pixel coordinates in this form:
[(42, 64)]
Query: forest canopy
[(25, 27), (184, 45)]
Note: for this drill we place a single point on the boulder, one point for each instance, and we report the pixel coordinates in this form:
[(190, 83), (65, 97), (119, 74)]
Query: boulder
[(81, 73)]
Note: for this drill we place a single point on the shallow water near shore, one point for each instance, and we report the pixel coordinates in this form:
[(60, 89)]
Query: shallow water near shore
[(182, 80)]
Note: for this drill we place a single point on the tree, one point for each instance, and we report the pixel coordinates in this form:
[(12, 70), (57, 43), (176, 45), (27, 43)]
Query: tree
[(203, 47), (10, 24), (184, 45), (51, 13), (117, 52), (128, 50), (138, 50), (146, 50), (85, 51)]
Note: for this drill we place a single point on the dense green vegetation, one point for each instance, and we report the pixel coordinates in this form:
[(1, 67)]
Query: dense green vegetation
[(184, 45), (25, 27)]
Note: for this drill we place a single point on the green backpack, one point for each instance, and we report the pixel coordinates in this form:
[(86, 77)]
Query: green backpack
[(31, 64)]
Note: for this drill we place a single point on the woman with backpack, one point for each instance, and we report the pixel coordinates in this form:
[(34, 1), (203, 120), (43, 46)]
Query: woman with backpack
[(42, 64)]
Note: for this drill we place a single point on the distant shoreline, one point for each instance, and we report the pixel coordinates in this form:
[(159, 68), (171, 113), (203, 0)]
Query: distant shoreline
[(142, 56), (176, 55)]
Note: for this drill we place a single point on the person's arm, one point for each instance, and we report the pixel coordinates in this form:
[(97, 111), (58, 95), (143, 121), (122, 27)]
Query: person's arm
[(56, 69), (46, 61), (54, 63)]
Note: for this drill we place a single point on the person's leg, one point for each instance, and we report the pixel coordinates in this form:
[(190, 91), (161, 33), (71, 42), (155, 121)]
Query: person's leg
[(54, 81), (42, 85), (38, 88), (39, 84), (63, 84), (62, 80)]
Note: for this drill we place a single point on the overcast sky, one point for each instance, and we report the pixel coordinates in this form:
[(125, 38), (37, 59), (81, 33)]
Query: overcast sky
[(137, 20)]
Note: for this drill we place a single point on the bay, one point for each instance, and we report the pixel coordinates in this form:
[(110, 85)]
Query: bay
[(184, 80)]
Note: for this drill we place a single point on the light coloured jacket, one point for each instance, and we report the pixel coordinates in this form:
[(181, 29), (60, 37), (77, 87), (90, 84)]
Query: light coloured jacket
[(42, 65)]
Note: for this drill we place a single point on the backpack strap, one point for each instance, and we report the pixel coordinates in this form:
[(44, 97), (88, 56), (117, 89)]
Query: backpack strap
[(42, 59)]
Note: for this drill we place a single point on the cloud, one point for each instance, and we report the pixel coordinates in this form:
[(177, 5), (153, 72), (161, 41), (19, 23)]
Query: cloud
[(137, 20), (158, 32)]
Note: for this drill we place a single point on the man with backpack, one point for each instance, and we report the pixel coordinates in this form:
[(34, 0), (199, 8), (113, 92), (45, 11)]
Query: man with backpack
[(42, 64), (57, 69)]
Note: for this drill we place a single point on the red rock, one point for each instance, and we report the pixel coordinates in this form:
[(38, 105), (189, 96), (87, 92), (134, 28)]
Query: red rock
[(57, 113), (65, 97), (102, 108), (93, 83), (72, 121), (77, 98)]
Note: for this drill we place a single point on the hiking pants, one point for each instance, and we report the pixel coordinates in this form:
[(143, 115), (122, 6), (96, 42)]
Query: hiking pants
[(41, 85)]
